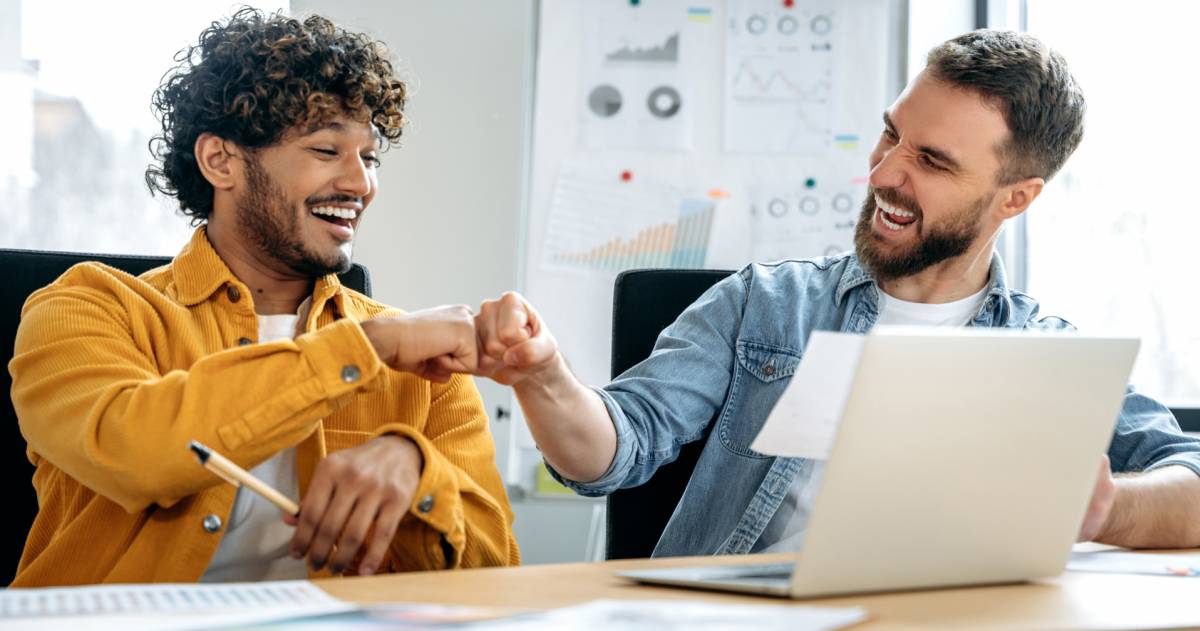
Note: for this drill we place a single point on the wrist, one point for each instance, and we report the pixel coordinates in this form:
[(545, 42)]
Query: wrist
[(548, 376), (386, 337), (409, 447), (1115, 530)]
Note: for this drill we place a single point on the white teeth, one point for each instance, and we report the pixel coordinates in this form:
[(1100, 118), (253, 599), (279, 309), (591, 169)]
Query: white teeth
[(892, 210), (333, 211), (890, 225)]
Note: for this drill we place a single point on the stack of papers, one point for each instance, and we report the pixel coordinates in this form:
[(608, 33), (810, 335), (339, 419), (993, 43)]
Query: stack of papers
[(159, 606), (1135, 563)]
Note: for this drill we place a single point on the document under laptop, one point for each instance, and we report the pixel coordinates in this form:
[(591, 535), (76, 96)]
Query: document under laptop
[(954, 457)]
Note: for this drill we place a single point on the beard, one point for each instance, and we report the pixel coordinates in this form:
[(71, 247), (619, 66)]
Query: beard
[(267, 219), (935, 242)]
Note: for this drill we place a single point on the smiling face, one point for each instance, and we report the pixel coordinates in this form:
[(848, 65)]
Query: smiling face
[(933, 183), (303, 197)]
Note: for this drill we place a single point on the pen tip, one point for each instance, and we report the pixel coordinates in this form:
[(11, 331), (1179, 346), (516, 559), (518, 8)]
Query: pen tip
[(200, 450)]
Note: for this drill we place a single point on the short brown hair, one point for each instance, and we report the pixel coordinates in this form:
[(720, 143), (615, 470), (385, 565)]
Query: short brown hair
[(256, 77), (1031, 86)]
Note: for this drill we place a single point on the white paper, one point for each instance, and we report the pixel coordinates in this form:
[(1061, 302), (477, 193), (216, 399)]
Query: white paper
[(633, 92), (779, 79), (814, 216), (805, 419), (1135, 563), (153, 606), (684, 615), (606, 225)]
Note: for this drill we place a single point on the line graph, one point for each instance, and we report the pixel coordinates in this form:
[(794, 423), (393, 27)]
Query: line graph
[(762, 77), (779, 87)]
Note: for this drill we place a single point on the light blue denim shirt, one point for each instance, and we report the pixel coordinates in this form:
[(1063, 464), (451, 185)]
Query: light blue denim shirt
[(729, 357)]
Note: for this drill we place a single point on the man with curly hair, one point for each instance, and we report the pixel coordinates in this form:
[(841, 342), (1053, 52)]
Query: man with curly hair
[(248, 343)]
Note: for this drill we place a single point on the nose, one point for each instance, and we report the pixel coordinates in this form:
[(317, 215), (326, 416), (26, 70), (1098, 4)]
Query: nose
[(887, 170), (356, 178)]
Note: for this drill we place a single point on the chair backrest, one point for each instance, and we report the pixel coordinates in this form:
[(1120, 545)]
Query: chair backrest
[(27, 271), (644, 303)]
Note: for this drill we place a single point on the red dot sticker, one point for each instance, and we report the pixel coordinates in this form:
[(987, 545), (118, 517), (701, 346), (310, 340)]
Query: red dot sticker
[(626, 176), (789, 3)]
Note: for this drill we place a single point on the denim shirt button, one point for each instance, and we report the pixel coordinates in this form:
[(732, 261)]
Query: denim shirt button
[(769, 369)]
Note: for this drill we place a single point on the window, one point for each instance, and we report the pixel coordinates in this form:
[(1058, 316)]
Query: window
[(76, 79), (1112, 240)]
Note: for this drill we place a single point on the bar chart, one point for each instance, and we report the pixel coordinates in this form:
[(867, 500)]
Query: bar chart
[(609, 227)]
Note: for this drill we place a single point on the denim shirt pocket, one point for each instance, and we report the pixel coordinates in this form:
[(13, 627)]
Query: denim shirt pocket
[(762, 373)]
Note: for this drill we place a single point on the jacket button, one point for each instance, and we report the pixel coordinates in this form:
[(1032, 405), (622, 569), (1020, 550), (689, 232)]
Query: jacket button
[(233, 293), (351, 373), (426, 504), (245, 341), (769, 369), (212, 523)]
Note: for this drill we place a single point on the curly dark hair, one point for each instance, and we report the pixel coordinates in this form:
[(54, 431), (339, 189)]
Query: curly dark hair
[(256, 77)]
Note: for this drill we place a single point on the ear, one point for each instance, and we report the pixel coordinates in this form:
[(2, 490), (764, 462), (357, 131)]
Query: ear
[(1019, 195), (217, 163)]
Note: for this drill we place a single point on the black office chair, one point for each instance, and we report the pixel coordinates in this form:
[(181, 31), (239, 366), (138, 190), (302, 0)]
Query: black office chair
[(644, 303), (27, 271)]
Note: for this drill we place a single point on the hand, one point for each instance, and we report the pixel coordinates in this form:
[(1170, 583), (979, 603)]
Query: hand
[(365, 489), (432, 343), (1101, 505), (514, 342)]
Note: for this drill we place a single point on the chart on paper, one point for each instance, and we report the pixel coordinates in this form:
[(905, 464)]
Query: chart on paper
[(602, 226), (779, 77), (631, 79)]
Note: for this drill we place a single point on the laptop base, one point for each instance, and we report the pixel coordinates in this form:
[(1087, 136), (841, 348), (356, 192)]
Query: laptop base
[(770, 579)]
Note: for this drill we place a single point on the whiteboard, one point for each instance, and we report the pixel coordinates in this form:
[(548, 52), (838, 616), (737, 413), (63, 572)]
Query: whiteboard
[(670, 133)]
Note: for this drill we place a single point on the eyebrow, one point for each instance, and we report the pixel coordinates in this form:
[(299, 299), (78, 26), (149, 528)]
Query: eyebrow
[(934, 152), (335, 126)]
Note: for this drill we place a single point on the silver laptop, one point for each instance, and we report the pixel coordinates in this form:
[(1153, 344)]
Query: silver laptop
[(963, 456)]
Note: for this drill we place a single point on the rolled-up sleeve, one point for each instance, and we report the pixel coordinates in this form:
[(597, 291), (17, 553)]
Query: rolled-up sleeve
[(670, 398), (1148, 437)]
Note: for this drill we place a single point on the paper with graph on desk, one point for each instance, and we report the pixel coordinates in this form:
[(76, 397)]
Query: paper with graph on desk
[(151, 606)]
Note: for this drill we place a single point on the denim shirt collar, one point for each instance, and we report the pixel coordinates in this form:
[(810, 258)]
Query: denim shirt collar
[(998, 308)]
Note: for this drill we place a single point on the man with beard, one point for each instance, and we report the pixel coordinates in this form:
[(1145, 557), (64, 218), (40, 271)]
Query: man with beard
[(247, 343), (968, 145)]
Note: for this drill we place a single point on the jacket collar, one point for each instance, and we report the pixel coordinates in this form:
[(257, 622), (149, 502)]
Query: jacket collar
[(199, 272)]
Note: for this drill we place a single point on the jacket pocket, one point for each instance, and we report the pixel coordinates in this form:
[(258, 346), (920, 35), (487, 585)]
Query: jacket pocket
[(762, 373)]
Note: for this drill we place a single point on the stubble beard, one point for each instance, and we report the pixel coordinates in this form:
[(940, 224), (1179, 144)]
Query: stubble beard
[(267, 220), (936, 243)]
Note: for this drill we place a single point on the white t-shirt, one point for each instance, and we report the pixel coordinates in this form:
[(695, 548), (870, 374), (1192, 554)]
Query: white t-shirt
[(255, 544), (785, 532)]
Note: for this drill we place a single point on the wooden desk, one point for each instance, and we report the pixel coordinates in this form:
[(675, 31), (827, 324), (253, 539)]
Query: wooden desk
[(1070, 601)]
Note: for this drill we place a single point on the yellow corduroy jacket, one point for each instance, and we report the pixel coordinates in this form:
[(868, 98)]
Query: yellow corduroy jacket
[(113, 375)]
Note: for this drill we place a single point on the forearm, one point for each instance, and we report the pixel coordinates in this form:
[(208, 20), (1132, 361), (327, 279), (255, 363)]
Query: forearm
[(121, 428), (569, 423), (1158, 509)]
